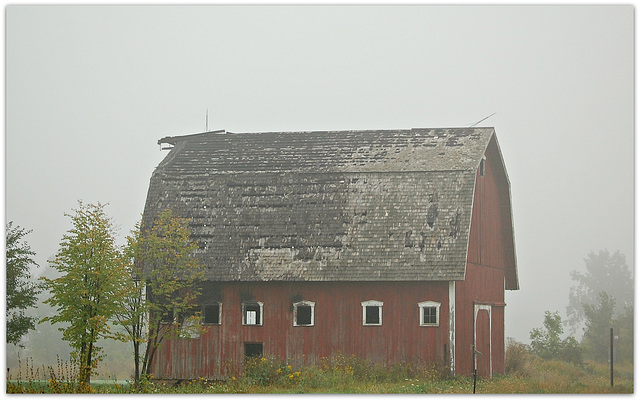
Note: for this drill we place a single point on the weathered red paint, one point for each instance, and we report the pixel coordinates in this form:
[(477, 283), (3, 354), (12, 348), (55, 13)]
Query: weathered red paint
[(338, 327)]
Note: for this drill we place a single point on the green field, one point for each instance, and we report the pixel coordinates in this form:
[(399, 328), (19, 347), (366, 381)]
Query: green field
[(352, 376)]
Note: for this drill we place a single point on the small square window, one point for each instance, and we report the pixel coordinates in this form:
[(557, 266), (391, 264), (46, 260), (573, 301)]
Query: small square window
[(303, 313), (252, 313), (429, 313), (212, 313), (167, 317), (372, 313)]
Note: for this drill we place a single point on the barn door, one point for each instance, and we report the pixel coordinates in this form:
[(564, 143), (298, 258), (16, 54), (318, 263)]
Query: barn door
[(482, 340)]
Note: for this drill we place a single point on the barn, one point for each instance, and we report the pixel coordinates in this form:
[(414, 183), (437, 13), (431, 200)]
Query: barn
[(391, 245)]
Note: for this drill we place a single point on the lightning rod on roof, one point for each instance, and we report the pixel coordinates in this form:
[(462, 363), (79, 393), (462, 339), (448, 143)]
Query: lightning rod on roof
[(473, 125), (206, 123)]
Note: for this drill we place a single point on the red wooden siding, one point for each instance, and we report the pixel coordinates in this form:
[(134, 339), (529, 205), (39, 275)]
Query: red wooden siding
[(338, 327)]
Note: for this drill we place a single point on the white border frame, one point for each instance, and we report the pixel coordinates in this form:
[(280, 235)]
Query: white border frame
[(429, 304), (372, 302), (477, 307), (295, 313), (244, 313)]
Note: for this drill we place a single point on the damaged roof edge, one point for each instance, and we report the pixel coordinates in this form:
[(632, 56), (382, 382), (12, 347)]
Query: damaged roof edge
[(172, 140)]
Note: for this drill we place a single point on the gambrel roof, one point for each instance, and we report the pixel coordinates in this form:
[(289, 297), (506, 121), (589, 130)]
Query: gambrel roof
[(325, 206)]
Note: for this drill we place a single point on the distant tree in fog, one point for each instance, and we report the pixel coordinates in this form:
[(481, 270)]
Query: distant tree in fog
[(600, 319), (605, 272)]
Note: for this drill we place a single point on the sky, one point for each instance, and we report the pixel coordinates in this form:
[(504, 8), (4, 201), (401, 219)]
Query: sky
[(89, 90)]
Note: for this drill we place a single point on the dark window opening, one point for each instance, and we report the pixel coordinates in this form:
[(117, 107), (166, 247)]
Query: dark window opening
[(372, 315), (167, 317), (429, 315), (303, 315), (252, 350), (482, 167), (212, 314)]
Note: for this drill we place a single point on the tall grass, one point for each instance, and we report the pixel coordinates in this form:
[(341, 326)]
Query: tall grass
[(59, 379), (343, 374)]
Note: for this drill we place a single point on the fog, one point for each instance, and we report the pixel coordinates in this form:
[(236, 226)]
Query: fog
[(90, 90)]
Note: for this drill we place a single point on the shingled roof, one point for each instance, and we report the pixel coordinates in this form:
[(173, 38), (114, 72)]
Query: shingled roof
[(324, 206)]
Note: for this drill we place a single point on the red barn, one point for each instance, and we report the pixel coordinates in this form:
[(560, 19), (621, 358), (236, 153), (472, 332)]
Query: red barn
[(392, 245)]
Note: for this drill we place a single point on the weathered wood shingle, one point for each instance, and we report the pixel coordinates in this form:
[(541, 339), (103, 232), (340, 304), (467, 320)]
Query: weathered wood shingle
[(325, 206)]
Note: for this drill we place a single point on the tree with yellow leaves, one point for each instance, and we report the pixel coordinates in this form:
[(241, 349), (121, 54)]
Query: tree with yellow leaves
[(163, 286), (88, 292)]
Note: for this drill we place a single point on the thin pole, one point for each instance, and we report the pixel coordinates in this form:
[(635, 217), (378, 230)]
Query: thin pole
[(475, 377), (611, 354), (475, 368)]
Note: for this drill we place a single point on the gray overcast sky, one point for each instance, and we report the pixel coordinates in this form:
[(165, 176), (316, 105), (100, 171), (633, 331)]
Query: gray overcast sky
[(90, 89)]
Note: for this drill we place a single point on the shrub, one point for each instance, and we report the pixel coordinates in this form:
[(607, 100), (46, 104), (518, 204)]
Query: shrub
[(547, 344), (265, 371), (517, 359)]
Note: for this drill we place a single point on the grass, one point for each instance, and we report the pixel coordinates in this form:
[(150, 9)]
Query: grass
[(351, 375)]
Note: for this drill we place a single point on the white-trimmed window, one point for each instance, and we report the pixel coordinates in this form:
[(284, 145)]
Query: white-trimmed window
[(372, 313), (429, 313), (212, 313), (252, 313), (303, 313)]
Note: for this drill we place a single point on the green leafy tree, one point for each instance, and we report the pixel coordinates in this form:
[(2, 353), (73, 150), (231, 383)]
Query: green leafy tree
[(21, 292), (599, 321), (86, 295), (605, 272), (547, 343), (164, 279)]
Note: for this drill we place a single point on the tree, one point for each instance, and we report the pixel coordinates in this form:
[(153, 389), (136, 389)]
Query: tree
[(604, 273), (624, 322), (599, 320), (133, 311), (21, 293), (163, 286), (547, 344), (86, 294)]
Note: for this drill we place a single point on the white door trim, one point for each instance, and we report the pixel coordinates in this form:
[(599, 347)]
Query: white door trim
[(476, 308)]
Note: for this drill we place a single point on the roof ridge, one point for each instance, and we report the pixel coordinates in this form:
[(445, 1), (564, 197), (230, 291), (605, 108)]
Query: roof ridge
[(177, 138)]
